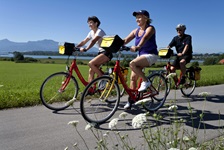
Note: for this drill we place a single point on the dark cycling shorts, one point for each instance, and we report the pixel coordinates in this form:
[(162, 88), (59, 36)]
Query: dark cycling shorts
[(176, 62), (106, 53)]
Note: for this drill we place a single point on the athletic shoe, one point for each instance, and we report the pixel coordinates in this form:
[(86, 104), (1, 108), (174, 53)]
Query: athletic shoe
[(127, 105), (144, 86), (102, 84)]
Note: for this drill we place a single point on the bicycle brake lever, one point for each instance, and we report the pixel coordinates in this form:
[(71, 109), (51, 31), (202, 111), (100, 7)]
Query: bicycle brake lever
[(125, 48), (67, 68)]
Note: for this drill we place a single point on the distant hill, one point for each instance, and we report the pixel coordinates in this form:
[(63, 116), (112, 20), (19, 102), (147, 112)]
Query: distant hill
[(40, 45)]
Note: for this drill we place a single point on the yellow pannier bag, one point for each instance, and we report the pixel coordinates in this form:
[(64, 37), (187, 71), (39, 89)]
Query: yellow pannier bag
[(197, 72), (66, 48), (165, 53), (112, 43)]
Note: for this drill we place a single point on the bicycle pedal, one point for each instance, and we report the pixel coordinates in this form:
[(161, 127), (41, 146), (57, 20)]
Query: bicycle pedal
[(142, 91)]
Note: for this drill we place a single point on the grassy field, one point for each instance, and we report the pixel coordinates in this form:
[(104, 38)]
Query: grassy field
[(20, 82)]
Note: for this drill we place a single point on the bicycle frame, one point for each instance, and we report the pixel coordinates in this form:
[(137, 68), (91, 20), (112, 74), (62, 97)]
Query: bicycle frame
[(133, 93), (77, 71), (168, 65), (70, 69)]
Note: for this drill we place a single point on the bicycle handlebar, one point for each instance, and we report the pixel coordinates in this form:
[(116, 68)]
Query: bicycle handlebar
[(77, 49), (121, 49), (125, 48), (174, 55)]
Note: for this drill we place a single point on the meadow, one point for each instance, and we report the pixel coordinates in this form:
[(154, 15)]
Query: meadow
[(20, 82)]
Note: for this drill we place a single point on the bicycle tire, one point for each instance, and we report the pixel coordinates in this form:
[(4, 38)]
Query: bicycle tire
[(158, 82), (168, 81), (169, 84), (122, 90), (52, 96), (189, 86), (97, 109)]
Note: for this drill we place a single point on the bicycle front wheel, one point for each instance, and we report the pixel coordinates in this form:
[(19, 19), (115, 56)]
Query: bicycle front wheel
[(169, 84), (96, 101), (57, 90), (189, 86), (122, 90), (158, 85)]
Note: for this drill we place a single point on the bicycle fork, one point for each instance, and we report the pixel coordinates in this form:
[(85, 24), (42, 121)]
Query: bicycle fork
[(106, 92), (64, 83)]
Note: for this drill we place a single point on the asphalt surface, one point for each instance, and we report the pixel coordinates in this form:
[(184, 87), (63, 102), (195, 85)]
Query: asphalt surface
[(38, 128)]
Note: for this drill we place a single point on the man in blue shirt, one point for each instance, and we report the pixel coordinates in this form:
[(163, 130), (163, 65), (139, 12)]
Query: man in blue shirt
[(183, 44)]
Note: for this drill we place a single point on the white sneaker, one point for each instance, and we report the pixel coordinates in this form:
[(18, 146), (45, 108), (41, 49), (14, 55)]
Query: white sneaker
[(102, 84), (144, 86), (127, 105)]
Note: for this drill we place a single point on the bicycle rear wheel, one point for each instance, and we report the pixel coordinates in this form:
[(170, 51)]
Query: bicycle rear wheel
[(169, 84), (57, 90), (96, 105), (168, 81), (158, 84), (189, 86), (122, 90)]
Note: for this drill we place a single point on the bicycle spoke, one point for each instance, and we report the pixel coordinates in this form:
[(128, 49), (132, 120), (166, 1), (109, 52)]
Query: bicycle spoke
[(97, 107), (56, 99), (188, 88), (159, 88), (157, 100)]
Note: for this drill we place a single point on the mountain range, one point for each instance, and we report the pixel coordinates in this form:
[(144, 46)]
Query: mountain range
[(7, 46)]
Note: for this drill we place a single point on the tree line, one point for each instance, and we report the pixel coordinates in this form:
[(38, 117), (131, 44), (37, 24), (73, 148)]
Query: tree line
[(208, 59)]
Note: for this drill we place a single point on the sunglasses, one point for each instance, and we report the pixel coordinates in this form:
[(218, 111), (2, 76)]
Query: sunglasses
[(179, 30)]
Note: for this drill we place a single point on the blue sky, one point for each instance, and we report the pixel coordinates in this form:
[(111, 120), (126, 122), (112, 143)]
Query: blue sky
[(65, 20)]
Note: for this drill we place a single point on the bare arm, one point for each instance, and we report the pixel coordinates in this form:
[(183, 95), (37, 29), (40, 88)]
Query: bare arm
[(93, 42), (82, 43), (130, 37), (186, 47)]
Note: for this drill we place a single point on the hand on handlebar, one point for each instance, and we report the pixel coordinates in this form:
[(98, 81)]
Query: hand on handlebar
[(134, 49), (82, 49), (179, 54), (125, 48)]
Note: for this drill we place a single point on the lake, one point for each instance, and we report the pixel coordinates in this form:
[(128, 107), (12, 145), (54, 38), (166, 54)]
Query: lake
[(45, 56), (78, 57)]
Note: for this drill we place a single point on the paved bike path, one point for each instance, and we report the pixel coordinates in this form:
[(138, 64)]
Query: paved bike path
[(39, 128)]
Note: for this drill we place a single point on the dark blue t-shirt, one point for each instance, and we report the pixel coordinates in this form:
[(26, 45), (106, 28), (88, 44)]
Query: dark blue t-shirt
[(180, 43)]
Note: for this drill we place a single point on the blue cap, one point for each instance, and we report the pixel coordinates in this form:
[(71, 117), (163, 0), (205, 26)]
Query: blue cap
[(143, 12)]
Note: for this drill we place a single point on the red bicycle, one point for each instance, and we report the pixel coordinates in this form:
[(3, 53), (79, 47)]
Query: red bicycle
[(186, 88), (104, 100), (60, 89)]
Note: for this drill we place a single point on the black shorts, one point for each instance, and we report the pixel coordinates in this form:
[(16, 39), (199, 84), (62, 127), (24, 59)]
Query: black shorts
[(106, 53), (176, 62)]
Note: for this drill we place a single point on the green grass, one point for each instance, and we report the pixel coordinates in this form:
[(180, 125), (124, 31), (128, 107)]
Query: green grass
[(211, 75), (20, 82)]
